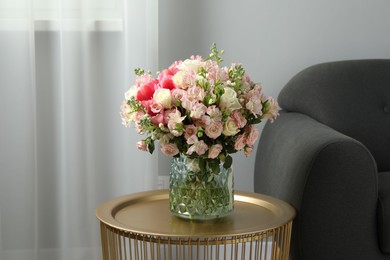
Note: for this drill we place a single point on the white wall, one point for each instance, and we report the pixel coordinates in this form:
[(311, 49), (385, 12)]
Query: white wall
[(273, 39)]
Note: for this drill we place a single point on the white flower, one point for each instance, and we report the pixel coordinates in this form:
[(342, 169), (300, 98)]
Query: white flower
[(191, 66), (162, 96), (229, 100), (178, 80), (230, 127), (131, 92), (175, 124)]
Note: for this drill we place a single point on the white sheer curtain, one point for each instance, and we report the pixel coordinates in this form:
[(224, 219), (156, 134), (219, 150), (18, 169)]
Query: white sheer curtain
[(64, 66)]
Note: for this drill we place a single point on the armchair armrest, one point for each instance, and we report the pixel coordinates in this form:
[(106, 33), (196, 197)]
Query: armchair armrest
[(331, 180)]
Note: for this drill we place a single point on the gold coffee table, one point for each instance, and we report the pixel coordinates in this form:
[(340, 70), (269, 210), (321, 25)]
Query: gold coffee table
[(140, 226)]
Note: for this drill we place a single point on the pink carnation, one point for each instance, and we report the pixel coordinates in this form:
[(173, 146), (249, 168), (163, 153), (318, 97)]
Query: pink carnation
[(252, 134), (178, 95), (199, 147), (238, 118), (196, 93), (240, 142), (272, 110), (254, 100), (214, 113), (198, 110)]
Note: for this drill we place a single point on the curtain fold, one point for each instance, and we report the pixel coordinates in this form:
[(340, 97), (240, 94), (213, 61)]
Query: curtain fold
[(63, 150)]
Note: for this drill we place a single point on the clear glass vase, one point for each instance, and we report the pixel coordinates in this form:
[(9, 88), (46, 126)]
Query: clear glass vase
[(200, 189)]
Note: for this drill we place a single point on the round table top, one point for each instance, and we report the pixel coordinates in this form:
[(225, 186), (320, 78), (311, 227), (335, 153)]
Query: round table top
[(147, 213)]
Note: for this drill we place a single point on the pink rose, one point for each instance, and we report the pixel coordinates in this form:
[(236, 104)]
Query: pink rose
[(156, 108), (169, 149), (158, 119), (190, 130), (214, 151), (252, 134), (141, 145), (238, 118), (240, 142), (214, 129)]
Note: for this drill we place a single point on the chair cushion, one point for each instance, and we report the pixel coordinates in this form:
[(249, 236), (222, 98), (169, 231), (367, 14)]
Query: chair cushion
[(384, 211), (352, 97)]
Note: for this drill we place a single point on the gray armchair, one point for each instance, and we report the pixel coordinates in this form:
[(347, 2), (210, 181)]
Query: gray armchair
[(328, 155)]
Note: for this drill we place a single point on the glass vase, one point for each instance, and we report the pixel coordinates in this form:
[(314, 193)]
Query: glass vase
[(200, 189)]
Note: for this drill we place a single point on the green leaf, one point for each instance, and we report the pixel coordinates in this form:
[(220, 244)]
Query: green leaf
[(255, 120), (150, 144), (214, 165), (228, 162), (202, 164)]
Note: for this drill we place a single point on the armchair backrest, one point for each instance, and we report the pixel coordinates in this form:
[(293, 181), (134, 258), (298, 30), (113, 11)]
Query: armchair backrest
[(352, 97)]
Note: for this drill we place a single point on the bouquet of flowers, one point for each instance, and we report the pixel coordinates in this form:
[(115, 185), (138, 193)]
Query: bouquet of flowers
[(198, 108)]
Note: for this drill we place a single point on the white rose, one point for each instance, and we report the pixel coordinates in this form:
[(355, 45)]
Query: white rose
[(191, 66), (162, 96), (178, 80), (229, 100), (131, 92), (230, 127)]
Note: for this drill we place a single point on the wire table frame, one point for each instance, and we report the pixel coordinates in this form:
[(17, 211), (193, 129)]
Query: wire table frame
[(140, 226)]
